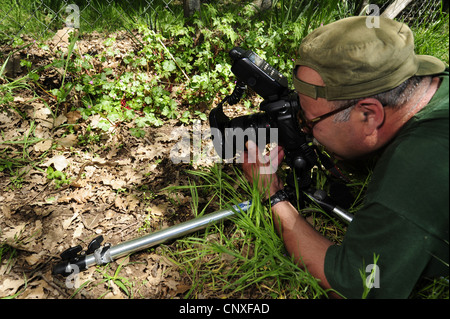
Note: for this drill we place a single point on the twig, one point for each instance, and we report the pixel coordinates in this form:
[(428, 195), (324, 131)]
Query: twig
[(53, 283), (170, 54)]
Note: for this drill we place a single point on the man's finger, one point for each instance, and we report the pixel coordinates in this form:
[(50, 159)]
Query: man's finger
[(253, 152)]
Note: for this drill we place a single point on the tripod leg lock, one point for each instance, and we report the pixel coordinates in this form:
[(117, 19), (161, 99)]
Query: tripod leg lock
[(75, 260), (102, 255)]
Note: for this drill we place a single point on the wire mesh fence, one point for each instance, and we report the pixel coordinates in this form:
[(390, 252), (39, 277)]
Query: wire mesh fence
[(414, 12), (42, 18), (22, 21)]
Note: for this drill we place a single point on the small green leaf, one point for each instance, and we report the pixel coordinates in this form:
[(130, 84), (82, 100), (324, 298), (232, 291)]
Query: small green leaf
[(169, 65)]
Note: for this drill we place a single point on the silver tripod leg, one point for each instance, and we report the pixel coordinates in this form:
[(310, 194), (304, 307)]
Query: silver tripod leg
[(107, 254)]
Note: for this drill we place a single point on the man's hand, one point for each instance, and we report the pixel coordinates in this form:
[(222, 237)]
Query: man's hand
[(262, 169), (302, 241)]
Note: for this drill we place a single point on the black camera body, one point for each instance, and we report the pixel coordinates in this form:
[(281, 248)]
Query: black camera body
[(279, 111), (265, 80)]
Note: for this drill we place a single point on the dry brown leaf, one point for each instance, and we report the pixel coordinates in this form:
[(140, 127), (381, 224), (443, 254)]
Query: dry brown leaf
[(66, 223), (41, 111), (36, 178), (182, 289), (81, 195), (36, 292), (13, 233), (10, 286), (6, 210), (60, 162), (120, 203), (115, 183), (158, 211), (43, 131), (172, 284), (19, 99), (34, 258), (78, 231), (43, 146), (133, 202), (61, 119), (116, 290), (73, 117), (68, 141), (44, 210)]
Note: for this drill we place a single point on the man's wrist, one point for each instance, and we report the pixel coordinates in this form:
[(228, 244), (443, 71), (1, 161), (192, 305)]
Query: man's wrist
[(279, 196)]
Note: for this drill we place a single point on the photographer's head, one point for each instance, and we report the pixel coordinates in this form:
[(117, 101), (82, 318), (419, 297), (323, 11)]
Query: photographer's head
[(358, 85)]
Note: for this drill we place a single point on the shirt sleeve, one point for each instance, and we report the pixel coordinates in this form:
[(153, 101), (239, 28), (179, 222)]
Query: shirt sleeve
[(399, 244)]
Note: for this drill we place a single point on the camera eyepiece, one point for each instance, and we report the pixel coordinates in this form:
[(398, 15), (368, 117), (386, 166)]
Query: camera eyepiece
[(276, 123)]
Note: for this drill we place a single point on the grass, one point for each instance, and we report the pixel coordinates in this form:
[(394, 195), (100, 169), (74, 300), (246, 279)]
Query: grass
[(41, 19), (245, 258), (15, 153), (432, 39), (9, 87)]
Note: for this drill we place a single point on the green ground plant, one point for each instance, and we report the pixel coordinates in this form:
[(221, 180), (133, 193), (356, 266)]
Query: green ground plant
[(183, 62)]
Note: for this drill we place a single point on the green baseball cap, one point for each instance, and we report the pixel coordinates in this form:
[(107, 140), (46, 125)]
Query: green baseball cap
[(357, 60)]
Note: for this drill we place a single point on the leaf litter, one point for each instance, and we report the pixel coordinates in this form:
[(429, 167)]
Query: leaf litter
[(113, 189)]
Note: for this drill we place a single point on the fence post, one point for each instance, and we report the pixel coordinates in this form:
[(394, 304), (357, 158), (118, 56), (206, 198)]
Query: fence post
[(190, 7), (395, 8)]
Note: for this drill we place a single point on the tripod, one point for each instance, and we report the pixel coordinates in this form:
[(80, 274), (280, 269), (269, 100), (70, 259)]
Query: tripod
[(74, 260)]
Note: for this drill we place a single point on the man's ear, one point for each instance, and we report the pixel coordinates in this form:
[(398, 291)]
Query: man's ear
[(371, 112)]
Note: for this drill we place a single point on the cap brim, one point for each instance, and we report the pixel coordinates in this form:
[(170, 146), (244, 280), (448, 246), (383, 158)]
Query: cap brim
[(429, 65)]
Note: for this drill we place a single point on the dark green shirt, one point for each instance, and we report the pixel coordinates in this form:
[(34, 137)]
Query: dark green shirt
[(405, 218)]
